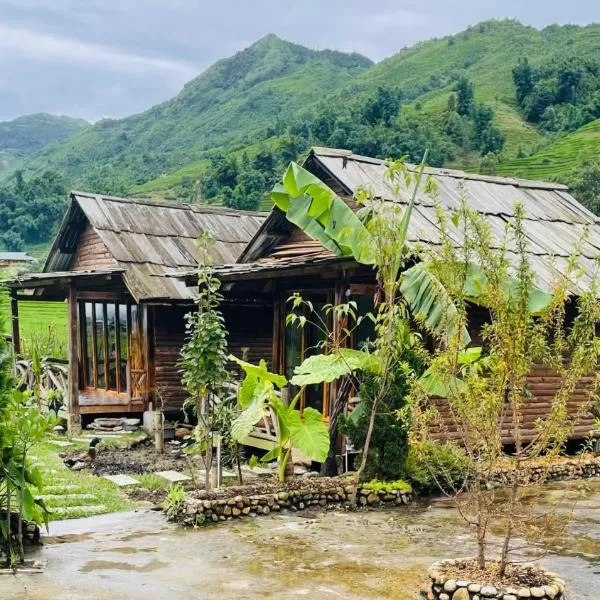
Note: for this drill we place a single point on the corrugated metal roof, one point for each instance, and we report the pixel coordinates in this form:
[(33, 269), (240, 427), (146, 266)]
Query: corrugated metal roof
[(149, 240)]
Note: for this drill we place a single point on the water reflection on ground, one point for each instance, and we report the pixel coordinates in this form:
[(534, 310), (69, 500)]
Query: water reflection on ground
[(374, 554)]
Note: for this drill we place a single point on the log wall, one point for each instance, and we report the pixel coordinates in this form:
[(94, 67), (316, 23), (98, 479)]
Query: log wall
[(543, 384)]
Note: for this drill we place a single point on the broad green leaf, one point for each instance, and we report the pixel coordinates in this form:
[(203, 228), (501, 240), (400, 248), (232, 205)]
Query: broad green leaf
[(476, 281), (271, 455), (247, 419), (357, 414), (321, 368), (430, 302), (437, 386), (323, 215), (309, 433), (259, 371), (253, 461)]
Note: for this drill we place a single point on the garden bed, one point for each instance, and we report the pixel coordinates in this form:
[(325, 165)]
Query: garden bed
[(200, 507), (462, 579)]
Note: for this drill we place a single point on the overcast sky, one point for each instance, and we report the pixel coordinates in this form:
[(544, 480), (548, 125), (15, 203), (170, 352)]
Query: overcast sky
[(111, 58)]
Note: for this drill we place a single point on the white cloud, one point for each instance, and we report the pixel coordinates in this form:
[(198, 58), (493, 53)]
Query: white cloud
[(36, 46)]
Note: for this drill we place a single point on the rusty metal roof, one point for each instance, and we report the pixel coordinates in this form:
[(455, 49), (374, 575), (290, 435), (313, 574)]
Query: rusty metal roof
[(150, 240), (554, 221)]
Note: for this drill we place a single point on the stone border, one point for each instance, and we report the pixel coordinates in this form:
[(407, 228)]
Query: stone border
[(196, 510), (585, 467), (448, 588)]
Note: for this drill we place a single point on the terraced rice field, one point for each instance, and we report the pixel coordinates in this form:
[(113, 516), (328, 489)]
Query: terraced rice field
[(559, 159), (43, 322)]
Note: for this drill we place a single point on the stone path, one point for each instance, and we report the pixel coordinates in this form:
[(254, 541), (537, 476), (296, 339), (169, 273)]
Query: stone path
[(173, 476), (122, 480)]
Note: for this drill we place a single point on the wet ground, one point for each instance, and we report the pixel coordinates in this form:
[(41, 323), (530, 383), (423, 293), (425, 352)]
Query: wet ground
[(375, 554)]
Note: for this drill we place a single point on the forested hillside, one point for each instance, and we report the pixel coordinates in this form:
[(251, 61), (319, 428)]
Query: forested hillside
[(499, 97)]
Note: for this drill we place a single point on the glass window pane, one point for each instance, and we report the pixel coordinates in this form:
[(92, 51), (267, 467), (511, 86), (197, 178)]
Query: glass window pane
[(112, 346), (315, 336), (89, 346), (123, 346), (99, 328)]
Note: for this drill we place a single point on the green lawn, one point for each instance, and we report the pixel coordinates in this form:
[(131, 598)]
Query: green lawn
[(69, 494)]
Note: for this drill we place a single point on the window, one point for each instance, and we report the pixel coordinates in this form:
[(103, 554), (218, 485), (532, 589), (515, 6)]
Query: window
[(105, 329), (300, 343)]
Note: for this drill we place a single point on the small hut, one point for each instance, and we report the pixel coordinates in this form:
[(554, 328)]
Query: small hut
[(110, 262)]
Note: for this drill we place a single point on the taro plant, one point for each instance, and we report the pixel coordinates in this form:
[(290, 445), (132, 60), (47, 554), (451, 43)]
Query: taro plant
[(488, 391), (203, 358), (259, 397)]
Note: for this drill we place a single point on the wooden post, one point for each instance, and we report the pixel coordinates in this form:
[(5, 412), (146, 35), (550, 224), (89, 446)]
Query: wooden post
[(16, 334), (74, 418)]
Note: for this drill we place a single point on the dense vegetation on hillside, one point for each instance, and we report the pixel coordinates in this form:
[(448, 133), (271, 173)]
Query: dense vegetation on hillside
[(226, 137)]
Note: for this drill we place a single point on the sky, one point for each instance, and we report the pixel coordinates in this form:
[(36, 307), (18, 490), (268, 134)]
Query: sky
[(105, 58)]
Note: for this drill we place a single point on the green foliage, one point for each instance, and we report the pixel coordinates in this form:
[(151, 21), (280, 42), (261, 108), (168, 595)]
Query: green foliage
[(322, 214), (376, 486), (175, 500), (559, 95), (303, 430), (389, 441), (30, 210), (30, 133), (432, 465)]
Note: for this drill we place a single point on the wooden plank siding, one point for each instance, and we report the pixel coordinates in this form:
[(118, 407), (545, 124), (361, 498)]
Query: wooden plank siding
[(248, 327), (91, 252)]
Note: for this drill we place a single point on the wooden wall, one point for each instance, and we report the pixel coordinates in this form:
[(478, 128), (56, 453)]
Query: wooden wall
[(91, 252), (543, 384), (248, 326)]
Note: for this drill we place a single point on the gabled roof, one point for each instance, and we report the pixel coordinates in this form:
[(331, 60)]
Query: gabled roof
[(554, 221), (149, 240)]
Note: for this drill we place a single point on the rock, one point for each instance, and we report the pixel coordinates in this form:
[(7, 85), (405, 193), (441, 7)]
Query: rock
[(58, 429), (461, 594), (236, 512), (181, 432), (509, 597), (450, 585), (444, 596), (474, 587), (488, 591), (309, 474), (537, 592), (551, 591), (524, 593), (462, 583)]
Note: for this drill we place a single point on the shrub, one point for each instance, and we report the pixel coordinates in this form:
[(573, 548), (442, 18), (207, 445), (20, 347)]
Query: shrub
[(377, 486), (433, 465)]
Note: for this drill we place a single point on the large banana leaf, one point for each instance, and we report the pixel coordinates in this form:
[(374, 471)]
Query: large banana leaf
[(430, 301), (316, 209), (321, 368), (538, 301), (309, 433)]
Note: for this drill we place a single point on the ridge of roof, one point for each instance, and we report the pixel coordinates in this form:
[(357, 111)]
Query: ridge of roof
[(319, 151), (197, 208)]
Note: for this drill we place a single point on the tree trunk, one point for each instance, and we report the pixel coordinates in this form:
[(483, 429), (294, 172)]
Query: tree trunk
[(330, 467)]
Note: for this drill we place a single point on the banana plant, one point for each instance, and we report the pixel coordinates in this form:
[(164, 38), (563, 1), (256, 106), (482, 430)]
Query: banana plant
[(316, 209), (259, 397)]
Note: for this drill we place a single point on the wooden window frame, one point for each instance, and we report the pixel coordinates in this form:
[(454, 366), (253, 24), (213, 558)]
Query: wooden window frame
[(101, 304)]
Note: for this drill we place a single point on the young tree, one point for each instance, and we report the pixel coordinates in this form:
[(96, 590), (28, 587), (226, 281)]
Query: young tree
[(203, 356), (486, 389)]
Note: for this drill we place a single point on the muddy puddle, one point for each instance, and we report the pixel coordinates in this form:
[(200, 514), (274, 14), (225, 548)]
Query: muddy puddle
[(375, 554)]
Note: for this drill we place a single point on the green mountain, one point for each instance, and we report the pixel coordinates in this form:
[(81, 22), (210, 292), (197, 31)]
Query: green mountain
[(227, 135), (28, 134), (227, 104), (426, 75)]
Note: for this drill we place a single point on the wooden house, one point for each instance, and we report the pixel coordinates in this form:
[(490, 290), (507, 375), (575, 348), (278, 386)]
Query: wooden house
[(281, 259), (127, 269), (110, 262)]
